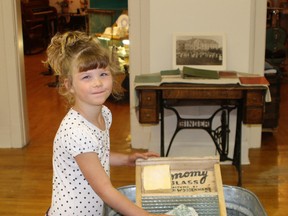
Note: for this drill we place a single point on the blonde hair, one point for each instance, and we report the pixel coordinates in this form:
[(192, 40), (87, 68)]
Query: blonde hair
[(75, 48)]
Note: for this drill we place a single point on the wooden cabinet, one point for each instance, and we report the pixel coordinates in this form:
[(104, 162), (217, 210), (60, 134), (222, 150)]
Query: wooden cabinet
[(271, 113)]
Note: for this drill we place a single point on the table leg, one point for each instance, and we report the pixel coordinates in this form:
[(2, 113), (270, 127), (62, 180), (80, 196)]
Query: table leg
[(237, 149), (219, 136), (162, 140)]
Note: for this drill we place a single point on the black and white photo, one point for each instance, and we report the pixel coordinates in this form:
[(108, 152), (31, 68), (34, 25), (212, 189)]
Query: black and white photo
[(201, 51)]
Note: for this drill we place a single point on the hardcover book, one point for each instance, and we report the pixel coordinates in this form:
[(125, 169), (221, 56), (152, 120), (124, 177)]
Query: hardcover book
[(171, 73), (148, 78), (189, 72), (257, 80)]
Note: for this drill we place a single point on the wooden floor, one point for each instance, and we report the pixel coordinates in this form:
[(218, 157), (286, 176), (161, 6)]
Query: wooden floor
[(25, 174)]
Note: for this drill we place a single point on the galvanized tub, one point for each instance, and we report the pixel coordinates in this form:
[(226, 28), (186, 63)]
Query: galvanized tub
[(239, 202)]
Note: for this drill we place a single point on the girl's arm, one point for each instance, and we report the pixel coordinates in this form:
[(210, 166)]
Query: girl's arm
[(119, 159), (101, 184)]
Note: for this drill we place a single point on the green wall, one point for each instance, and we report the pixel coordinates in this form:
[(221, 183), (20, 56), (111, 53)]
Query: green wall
[(109, 4), (98, 22)]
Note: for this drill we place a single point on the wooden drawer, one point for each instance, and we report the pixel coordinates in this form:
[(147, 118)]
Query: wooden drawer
[(148, 107), (254, 98), (201, 94), (148, 98), (148, 116), (253, 107)]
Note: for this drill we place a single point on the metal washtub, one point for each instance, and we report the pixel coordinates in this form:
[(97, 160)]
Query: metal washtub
[(239, 202)]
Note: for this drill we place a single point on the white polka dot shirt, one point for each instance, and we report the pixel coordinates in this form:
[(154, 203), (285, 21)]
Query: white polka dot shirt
[(72, 194)]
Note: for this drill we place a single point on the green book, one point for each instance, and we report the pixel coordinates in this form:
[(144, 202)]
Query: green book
[(148, 78), (189, 72), (170, 72)]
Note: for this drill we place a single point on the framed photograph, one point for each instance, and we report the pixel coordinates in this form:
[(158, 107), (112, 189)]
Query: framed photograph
[(204, 51)]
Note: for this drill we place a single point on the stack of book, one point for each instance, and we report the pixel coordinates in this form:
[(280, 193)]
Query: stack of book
[(200, 76)]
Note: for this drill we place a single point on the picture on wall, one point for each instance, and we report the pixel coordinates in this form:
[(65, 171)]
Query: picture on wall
[(205, 51)]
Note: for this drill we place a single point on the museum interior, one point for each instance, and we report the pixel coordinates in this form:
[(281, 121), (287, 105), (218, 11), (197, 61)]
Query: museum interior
[(26, 173)]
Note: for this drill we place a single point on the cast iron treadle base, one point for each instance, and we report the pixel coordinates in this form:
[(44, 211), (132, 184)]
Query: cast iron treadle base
[(219, 135)]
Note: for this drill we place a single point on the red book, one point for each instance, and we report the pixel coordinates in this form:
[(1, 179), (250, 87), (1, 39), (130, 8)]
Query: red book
[(257, 80)]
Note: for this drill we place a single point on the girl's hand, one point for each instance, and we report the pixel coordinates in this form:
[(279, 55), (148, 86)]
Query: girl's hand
[(133, 157)]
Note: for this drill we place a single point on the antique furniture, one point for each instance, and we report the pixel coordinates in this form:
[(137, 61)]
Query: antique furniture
[(39, 21), (271, 114), (249, 101)]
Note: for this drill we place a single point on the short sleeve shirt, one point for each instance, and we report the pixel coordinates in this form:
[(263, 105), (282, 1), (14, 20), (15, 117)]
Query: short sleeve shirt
[(72, 194)]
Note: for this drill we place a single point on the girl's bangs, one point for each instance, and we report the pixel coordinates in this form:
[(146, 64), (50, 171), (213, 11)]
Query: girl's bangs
[(89, 61)]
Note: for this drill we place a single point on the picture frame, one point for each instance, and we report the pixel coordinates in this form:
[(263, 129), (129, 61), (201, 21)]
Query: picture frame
[(203, 51)]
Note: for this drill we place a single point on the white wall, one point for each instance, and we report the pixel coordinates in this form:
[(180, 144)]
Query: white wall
[(153, 23), (13, 114)]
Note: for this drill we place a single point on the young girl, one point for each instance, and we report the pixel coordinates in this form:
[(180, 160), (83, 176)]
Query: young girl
[(81, 152)]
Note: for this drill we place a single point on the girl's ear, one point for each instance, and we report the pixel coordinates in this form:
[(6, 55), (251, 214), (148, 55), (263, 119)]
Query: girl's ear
[(68, 85)]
